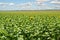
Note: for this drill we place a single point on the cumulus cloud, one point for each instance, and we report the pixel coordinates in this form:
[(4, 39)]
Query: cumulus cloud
[(36, 5), (22, 6), (41, 4), (55, 2), (41, 1), (25, 5), (11, 4), (3, 4)]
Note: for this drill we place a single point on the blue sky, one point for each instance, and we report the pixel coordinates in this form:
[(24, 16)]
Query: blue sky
[(29, 4)]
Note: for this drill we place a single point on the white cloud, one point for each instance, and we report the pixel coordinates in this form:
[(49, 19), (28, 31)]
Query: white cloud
[(25, 5), (55, 2), (41, 5), (6, 5), (44, 6), (36, 5), (3, 4), (41, 1), (11, 4)]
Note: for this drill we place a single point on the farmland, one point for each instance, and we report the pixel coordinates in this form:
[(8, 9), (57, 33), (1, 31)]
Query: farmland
[(29, 25)]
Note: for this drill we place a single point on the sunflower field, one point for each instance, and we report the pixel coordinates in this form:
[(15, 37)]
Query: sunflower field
[(24, 27)]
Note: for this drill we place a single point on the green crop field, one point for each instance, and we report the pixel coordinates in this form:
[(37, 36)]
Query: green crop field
[(29, 25)]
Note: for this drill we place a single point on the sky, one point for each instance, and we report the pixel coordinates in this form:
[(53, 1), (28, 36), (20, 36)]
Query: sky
[(29, 4)]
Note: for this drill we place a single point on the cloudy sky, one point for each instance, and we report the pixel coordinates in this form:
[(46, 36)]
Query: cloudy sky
[(29, 4)]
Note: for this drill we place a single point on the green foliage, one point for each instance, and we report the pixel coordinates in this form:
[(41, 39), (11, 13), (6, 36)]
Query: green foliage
[(23, 27)]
